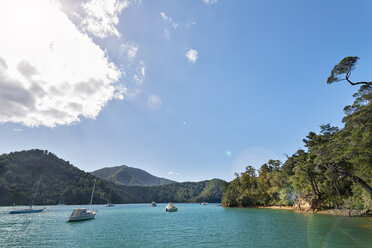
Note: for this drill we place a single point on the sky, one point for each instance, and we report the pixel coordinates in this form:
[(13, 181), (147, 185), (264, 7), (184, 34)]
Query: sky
[(186, 90)]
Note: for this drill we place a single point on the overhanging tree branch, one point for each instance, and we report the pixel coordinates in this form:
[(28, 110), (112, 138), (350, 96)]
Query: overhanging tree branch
[(365, 83), (345, 66), (355, 179)]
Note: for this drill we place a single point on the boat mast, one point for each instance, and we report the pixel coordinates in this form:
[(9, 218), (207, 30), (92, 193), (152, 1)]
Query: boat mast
[(91, 198), (33, 198)]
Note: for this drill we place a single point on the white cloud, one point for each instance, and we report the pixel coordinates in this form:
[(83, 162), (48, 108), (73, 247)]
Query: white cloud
[(120, 91), (134, 70), (142, 69), (170, 24), (17, 129), (139, 76), (210, 1), (188, 25), (154, 102), (101, 17), (130, 50), (166, 33), (165, 17), (174, 173), (192, 55), (51, 73)]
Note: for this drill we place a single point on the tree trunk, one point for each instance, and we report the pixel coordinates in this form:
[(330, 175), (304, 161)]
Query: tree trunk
[(338, 192), (312, 182), (356, 179)]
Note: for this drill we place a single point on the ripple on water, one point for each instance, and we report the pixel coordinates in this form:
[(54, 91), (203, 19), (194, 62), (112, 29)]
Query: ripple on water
[(138, 225)]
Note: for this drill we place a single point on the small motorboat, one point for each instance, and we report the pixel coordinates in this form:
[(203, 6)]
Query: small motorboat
[(82, 214), (109, 205), (153, 204), (204, 203), (171, 208)]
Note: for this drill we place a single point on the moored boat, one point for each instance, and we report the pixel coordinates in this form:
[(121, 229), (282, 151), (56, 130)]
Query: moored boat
[(153, 204), (82, 214), (79, 214), (26, 211), (171, 208), (204, 203), (29, 210), (108, 205)]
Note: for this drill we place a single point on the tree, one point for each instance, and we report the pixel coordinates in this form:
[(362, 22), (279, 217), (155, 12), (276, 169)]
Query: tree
[(334, 169), (356, 140), (345, 67)]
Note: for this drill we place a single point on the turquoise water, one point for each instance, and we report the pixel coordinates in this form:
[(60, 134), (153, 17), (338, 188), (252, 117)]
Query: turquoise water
[(138, 225)]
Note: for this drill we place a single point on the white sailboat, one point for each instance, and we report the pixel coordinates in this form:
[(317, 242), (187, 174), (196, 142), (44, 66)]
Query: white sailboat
[(83, 213), (30, 210)]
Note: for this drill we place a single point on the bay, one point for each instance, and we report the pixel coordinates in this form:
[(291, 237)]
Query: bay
[(194, 225)]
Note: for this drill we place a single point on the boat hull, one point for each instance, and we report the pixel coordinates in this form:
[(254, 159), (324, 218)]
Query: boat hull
[(171, 209), (26, 211), (81, 218)]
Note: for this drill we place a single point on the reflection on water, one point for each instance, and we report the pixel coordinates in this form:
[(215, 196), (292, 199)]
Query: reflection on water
[(194, 225)]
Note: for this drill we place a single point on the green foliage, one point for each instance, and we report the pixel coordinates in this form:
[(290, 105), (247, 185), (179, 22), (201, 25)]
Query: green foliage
[(129, 176), (342, 71), (267, 189), (20, 172), (335, 170), (345, 66), (287, 195)]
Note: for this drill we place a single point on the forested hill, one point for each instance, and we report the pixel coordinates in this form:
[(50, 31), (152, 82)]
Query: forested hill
[(126, 175), (20, 173)]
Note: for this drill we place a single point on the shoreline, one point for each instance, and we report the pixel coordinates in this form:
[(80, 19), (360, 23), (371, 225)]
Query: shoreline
[(276, 207), (333, 212)]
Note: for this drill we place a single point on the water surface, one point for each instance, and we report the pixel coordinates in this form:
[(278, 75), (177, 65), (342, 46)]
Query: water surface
[(138, 225)]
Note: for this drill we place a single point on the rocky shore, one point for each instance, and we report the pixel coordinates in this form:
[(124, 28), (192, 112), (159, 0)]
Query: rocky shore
[(312, 207), (337, 212)]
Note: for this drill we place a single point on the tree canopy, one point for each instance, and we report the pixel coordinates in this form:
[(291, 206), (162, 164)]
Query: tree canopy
[(334, 170), (342, 71)]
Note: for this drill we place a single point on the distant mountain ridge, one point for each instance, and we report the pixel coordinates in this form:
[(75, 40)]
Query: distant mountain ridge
[(20, 172), (129, 176)]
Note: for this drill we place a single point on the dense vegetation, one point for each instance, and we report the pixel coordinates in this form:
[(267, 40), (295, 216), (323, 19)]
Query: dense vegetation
[(334, 171), (126, 175), (205, 191), (20, 173)]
